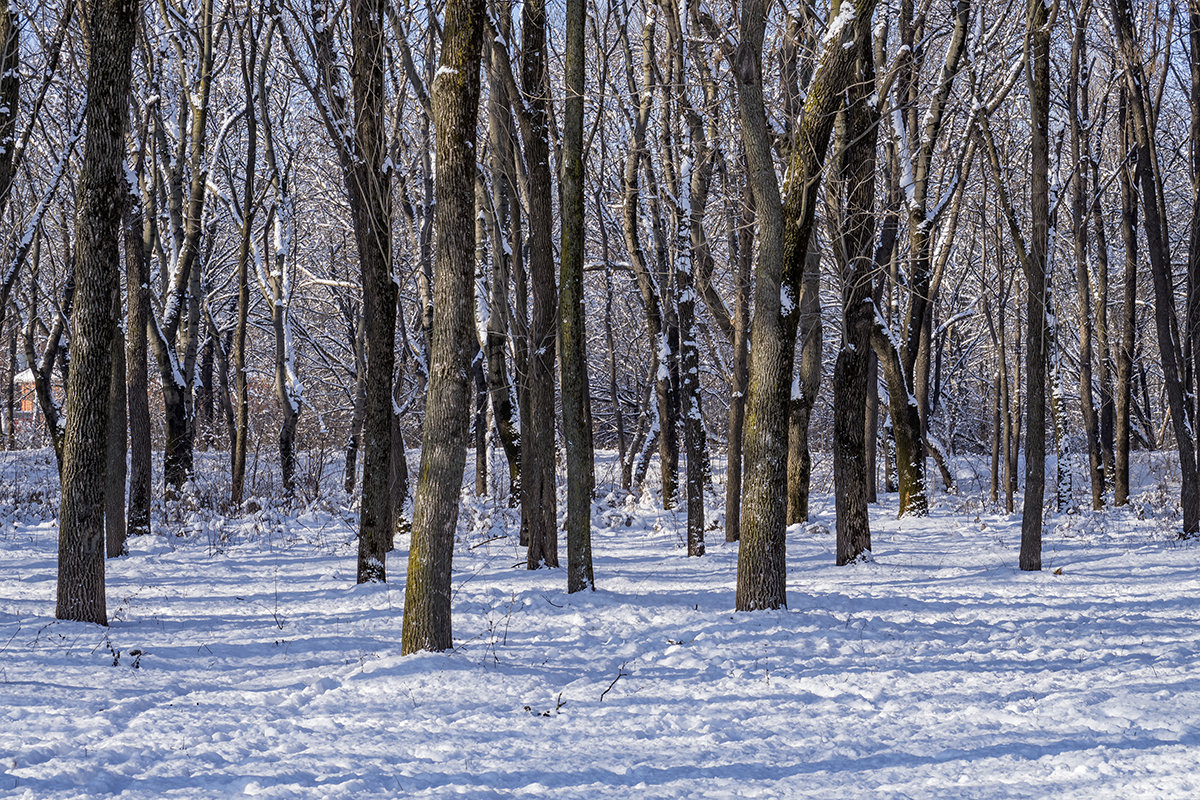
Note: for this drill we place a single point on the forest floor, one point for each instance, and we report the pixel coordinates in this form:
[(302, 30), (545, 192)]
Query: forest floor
[(242, 660)]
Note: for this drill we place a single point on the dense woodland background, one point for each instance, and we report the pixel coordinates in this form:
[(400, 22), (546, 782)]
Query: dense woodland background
[(703, 233)]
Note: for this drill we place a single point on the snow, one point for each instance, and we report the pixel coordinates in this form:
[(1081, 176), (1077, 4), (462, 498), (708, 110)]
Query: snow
[(846, 15), (249, 663)]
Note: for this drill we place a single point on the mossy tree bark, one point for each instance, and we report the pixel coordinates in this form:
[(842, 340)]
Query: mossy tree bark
[(444, 436), (785, 229)]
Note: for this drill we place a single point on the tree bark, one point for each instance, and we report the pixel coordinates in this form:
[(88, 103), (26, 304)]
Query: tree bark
[(1039, 22), (851, 476), (804, 391), (1153, 204), (572, 333), (444, 437), (539, 498), (1127, 173), (116, 467), (369, 188), (784, 233), (137, 280), (1077, 100), (102, 193)]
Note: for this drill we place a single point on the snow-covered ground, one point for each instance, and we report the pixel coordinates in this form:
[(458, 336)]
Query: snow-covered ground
[(241, 659)]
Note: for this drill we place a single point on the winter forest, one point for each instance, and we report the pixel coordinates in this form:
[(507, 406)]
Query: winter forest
[(408, 398)]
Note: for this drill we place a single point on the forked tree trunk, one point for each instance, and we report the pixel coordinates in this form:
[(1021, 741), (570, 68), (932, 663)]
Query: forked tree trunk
[(785, 230)]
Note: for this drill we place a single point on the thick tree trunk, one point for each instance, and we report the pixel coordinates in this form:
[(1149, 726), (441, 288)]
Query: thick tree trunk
[(101, 203), (444, 438), (572, 334), (177, 451), (785, 230)]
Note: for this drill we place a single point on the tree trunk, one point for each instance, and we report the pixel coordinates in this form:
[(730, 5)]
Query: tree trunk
[(114, 491), (742, 243), (369, 189), (1036, 350), (851, 475), (804, 391), (499, 327), (444, 437), (1077, 100), (785, 230), (1127, 172), (102, 186), (1153, 204), (137, 280), (400, 523), (10, 393), (539, 498), (572, 333), (241, 394)]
